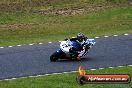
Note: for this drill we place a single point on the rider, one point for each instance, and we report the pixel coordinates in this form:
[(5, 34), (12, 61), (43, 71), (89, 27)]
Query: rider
[(78, 42)]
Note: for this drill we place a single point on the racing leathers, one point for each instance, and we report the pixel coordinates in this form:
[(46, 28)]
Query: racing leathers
[(77, 46)]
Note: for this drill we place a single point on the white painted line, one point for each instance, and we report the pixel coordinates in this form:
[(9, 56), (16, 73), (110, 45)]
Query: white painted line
[(101, 68), (115, 35), (19, 45), (110, 67), (74, 71), (66, 72), (1, 47), (40, 43), (92, 69), (39, 75), (7, 79), (31, 76), (125, 34), (61, 41), (57, 73), (106, 36), (120, 66), (30, 44), (47, 74), (23, 77), (96, 37), (49, 42), (129, 65), (10, 46), (13, 78)]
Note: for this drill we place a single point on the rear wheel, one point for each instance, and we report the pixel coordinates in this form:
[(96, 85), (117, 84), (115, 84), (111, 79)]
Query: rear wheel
[(53, 57)]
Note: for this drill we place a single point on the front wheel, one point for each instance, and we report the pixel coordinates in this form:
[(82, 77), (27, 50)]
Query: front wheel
[(53, 57)]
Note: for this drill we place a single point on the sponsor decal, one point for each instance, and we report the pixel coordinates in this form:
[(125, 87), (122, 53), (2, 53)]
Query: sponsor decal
[(83, 78)]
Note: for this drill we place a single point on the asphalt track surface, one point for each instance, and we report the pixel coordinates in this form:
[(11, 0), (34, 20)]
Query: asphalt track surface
[(34, 60)]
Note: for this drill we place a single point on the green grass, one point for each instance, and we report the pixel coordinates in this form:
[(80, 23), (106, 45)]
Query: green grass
[(66, 80), (22, 28)]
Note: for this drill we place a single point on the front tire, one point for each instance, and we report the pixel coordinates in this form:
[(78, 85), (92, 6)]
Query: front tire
[(53, 57)]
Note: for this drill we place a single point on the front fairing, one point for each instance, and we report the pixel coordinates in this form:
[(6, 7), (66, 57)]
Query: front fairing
[(76, 45), (64, 55)]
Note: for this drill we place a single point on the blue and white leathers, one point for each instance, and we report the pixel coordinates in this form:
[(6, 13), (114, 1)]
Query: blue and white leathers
[(66, 45)]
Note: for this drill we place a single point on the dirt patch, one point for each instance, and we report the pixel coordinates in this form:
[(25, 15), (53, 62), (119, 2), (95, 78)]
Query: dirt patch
[(76, 10), (19, 26)]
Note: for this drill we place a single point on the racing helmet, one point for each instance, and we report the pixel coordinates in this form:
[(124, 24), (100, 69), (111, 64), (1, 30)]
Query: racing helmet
[(80, 37)]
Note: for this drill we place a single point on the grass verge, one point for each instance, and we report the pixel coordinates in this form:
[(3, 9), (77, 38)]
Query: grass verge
[(23, 28), (67, 80)]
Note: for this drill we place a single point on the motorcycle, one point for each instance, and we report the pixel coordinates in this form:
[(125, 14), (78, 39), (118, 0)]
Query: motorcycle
[(63, 52)]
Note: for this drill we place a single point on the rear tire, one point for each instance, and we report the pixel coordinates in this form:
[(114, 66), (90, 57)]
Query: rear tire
[(53, 57)]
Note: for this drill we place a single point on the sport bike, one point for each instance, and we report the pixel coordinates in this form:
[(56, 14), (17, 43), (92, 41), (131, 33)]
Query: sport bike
[(63, 51)]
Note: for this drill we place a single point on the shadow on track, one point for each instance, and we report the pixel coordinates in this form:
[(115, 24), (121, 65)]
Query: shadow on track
[(85, 59)]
